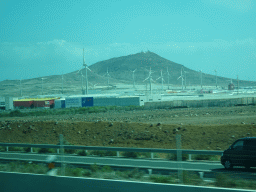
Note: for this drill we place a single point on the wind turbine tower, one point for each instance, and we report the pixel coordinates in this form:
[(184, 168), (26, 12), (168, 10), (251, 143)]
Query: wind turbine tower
[(42, 86), (162, 78), (168, 75), (62, 84), (150, 80), (201, 78), (86, 77), (216, 78), (182, 77), (133, 78), (185, 72), (108, 76)]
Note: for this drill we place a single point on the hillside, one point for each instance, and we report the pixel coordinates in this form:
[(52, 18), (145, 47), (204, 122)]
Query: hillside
[(120, 71)]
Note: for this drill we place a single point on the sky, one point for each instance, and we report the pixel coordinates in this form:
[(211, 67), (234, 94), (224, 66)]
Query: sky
[(46, 37)]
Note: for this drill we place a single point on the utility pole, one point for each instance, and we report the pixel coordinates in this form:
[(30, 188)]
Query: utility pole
[(133, 78), (86, 77), (62, 84), (201, 79), (237, 85), (216, 78), (42, 86), (20, 88), (168, 77)]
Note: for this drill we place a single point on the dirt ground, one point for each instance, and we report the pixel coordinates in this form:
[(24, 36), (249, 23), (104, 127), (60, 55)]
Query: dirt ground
[(200, 128)]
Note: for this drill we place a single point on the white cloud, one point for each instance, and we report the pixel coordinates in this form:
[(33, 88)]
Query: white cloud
[(238, 5)]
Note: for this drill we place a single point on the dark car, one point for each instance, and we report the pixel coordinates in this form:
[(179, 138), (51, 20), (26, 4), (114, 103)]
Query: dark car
[(241, 153)]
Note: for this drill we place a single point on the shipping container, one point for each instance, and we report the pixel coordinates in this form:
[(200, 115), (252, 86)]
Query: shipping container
[(25, 104), (59, 103), (73, 102), (8, 103), (87, 101)]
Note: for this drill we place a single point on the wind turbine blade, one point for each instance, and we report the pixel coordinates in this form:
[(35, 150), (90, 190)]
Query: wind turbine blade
[(179, 77), (88, 69), (158, 78), (145, 79)]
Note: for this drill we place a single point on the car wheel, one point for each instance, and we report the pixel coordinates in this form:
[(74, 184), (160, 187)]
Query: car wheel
[(228, 164)]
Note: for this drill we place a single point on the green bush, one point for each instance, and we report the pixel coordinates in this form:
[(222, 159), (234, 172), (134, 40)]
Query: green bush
[(87, 173), (98, 153), (190, 178), (15, 149), (135, 173), (202, 157), (46, 150), (160, 179), (27, 149), (2, 148), (106, 168), (110, 153), (16, 113), (82, 153), (77, 172), (129, 154), (173, 157), (94, 167)]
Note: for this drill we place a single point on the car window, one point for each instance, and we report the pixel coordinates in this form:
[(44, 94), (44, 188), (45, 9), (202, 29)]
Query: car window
[(238, 145), (251, 144)]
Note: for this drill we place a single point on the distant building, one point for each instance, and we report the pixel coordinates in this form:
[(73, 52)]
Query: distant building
[(231, 86)]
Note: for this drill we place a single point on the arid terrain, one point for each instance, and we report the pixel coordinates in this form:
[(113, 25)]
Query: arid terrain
[(200, 128)]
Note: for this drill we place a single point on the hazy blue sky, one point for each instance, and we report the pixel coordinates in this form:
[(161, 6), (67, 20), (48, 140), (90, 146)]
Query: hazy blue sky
[(46, 37)]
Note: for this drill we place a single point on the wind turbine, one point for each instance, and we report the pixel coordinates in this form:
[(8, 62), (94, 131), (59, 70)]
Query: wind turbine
[(216, 78), (42, 85), (185, 79), (108, 76), (86, 77), (162, 80), (133, 77), (182, 77), (150, 80), (82, 79), (168, 75), (62, 79), (201, 78)]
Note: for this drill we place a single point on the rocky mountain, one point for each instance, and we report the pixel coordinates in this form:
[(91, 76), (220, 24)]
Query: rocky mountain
[(120, 70)]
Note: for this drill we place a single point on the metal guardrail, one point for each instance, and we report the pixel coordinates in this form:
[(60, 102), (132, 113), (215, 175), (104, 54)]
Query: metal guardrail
[(117, 149)]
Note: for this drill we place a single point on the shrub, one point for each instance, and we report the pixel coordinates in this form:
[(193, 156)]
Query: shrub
[(27, 149), (202, 157), (46, 150), (190, 178), (106, 168), (77, 172), (82, 153), (16, 113), (110, 153), (94, 167), (15, 149), (98, 153), (222, 180), (160, 179), (87, 173), (130, 154), (174, 157), (2, 148)]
